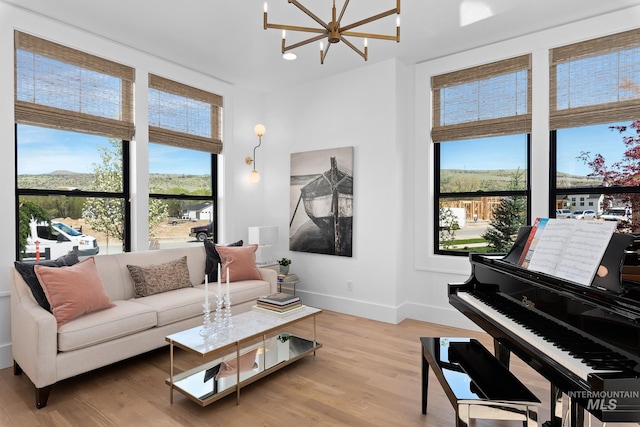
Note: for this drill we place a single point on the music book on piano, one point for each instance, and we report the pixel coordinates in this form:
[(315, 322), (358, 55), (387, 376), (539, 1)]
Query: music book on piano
[(570, 249)]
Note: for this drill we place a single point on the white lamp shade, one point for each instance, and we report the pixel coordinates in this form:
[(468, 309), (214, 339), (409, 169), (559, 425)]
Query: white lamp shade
[(264, 235)]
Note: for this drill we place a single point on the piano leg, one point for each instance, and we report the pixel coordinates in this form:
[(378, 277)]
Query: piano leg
[(576, 412), (555, 408), (501, 352)]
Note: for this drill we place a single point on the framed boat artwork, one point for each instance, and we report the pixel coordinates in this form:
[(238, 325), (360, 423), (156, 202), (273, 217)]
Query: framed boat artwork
[(322, 202)]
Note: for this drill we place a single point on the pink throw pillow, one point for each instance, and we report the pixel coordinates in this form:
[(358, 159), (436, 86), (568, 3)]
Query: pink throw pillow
[(73, 291), (230, 367), (241, 262)]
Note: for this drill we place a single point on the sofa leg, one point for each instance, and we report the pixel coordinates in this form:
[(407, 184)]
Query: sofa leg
[(17, 370), (42, 395)]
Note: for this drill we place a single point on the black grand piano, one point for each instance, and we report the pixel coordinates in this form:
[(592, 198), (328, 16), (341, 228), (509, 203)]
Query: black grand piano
[(585, 340)]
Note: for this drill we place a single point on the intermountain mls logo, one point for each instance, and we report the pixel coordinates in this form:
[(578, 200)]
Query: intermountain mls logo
[(607, 400)]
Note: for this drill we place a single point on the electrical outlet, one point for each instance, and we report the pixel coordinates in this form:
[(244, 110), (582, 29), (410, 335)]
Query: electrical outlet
[(349, 285)]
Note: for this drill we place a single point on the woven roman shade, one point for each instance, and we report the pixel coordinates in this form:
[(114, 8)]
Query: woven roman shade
[(184, 116), (595, 81), (63, 88), (488, 100)]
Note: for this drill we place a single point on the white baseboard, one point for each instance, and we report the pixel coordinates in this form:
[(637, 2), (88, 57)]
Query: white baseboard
[(6, 356), (383, 313), (387, 313)]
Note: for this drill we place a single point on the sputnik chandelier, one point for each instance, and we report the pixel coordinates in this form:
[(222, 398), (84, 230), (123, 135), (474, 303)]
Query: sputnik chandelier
[(334, 31)]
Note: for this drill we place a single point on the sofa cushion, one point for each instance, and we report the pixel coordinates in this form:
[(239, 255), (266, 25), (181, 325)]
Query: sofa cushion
[(213, 258), (26, 270), (73, 291), (158, 278), (126, 318), (176, 305), (239, 262)]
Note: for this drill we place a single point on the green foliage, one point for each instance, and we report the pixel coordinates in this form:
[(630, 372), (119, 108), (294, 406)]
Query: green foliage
[(106, 215), (448, 224), (26, 211), (508, 216), (284, 262)]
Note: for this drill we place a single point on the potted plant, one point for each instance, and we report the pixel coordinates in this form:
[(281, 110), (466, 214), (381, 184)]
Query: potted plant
[(284, 265)]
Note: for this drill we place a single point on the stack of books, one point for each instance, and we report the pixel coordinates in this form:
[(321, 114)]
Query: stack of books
[(287, 278), (279, 302)]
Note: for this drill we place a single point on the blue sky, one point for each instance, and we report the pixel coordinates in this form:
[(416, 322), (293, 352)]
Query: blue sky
[(42, 151), (508, 152)]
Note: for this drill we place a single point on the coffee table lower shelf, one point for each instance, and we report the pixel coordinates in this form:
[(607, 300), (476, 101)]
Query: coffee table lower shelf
[(200, 385)]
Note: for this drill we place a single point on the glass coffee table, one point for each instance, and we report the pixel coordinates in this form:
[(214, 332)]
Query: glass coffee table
[(259, 344)]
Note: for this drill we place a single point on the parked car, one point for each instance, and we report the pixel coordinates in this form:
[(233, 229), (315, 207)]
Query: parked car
[(586, 214), (563, 213), (202, 232), (617, 214), (183, 218)]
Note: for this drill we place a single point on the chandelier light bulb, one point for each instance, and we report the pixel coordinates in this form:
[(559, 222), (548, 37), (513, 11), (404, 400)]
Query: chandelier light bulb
[(265, 7), (259, 129)]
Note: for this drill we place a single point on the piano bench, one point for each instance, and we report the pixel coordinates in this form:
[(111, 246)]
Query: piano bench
[(476, 383)]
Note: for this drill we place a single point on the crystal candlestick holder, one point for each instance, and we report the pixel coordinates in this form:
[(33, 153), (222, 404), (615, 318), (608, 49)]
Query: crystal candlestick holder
[(207, 327), (228, 321), (218, 314)]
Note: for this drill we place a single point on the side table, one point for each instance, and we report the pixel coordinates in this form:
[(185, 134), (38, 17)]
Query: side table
[(289, 281)]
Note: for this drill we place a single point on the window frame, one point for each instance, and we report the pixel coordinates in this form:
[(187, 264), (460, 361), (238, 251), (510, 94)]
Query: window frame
[(125, 195), (472, 194)]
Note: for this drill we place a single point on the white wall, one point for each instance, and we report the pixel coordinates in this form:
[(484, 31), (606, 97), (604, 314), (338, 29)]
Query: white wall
[(359, 109)]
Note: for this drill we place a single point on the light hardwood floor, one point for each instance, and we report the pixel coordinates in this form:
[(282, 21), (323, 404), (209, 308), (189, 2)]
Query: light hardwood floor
[(366, 374)]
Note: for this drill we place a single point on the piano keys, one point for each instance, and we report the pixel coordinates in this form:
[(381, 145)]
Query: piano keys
[(585, 340)]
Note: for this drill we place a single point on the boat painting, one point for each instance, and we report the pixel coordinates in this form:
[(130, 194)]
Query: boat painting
[(322, 203)]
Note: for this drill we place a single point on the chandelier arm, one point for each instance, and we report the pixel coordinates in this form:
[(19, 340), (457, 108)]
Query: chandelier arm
[(370, 19), (296, 28), (370, 36), (311, 15), (304, 42), (355, 49), (344, 7), (323, 54)]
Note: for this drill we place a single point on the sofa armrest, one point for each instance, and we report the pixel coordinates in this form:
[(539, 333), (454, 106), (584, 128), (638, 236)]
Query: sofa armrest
[(34, 335), (269, 275)]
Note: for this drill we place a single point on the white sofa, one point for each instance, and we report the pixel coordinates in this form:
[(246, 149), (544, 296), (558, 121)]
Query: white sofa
[(47, 354)]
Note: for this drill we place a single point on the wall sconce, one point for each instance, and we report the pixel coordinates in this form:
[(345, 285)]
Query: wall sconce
[(255, 176)]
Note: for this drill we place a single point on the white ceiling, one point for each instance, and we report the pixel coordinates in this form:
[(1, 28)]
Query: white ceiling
[(225, 38)]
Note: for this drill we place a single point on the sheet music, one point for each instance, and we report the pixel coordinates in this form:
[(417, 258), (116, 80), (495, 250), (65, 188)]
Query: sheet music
[(572, 249)]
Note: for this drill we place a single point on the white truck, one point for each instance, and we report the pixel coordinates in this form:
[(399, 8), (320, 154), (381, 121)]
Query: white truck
[(617, 214), (60, 239), (453, 217)]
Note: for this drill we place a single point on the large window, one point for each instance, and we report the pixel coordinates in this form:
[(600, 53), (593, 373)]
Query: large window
[(185, 127), (482, 121), (73, 115), (595, 132), (74, 118), (181, 189), (69, 181)]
